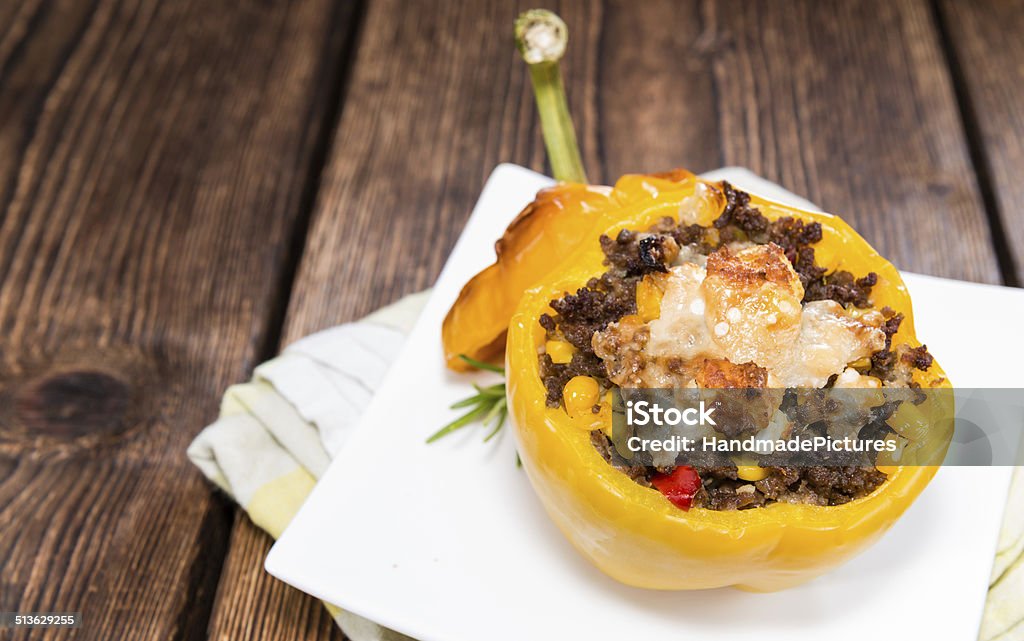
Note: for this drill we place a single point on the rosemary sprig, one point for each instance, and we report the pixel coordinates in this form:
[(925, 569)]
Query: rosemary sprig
[(482, 365), (488, 405)]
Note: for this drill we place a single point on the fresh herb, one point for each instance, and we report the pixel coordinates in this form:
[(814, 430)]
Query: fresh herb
[(488, 405), (482, 365)]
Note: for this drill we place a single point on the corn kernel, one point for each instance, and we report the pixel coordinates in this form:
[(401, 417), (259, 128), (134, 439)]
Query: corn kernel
[(862, 363), (751, 472), (581, 393), (604, 417), (648, 300), (559, 351), (912, 422)]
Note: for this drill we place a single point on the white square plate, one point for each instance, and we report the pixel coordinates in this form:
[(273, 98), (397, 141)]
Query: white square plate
[(447, 542)]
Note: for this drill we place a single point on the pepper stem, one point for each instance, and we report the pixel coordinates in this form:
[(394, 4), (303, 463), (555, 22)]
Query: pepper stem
[(541, 37)]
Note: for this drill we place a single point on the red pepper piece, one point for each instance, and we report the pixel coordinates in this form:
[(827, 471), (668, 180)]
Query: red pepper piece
[(679, 486)]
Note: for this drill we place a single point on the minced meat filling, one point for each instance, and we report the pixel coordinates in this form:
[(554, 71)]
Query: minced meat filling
[(591, 308), (895, 366), (607, 299), (722, 489)]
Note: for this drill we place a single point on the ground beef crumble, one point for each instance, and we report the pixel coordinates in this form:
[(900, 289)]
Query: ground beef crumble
[(608, 298), (897, 365), (556, 375), (841, 287), (722, 489), (603, 301), (822, 486), (592, 308)]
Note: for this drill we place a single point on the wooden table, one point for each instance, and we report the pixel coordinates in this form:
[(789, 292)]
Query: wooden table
[(186, 186)]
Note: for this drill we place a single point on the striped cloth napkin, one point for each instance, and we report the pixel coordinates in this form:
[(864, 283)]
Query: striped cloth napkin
[(277, 434)]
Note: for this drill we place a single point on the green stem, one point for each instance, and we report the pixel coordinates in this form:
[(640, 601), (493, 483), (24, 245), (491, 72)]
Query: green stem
[(542, 37)]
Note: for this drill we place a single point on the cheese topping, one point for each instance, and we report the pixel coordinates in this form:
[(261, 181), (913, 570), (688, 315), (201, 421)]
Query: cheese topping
[(745, 307), (681, 330)]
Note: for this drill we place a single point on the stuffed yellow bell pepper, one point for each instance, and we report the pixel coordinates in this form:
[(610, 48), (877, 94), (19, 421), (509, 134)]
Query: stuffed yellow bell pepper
[(643, 533), (668, 281)]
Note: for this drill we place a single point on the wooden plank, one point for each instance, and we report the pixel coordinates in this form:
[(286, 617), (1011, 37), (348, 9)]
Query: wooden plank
[(251, 604), (851, 106), (847, 103), (438, 98), (417, 138), (154, 161), (988, 57)]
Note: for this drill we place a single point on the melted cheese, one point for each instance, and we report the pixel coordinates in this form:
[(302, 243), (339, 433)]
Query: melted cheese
[(753, 304), (829, 340), (681, 330), (744, 307)]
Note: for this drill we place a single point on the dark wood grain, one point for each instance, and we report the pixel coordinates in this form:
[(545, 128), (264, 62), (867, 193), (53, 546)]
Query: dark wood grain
[(437, 98), (987, 54), (416, 140), (251, 604), (850, 105), (847, 103), (154, 161)]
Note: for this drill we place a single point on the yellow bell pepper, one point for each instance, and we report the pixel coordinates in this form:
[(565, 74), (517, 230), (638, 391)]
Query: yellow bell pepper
[(629, 531)]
